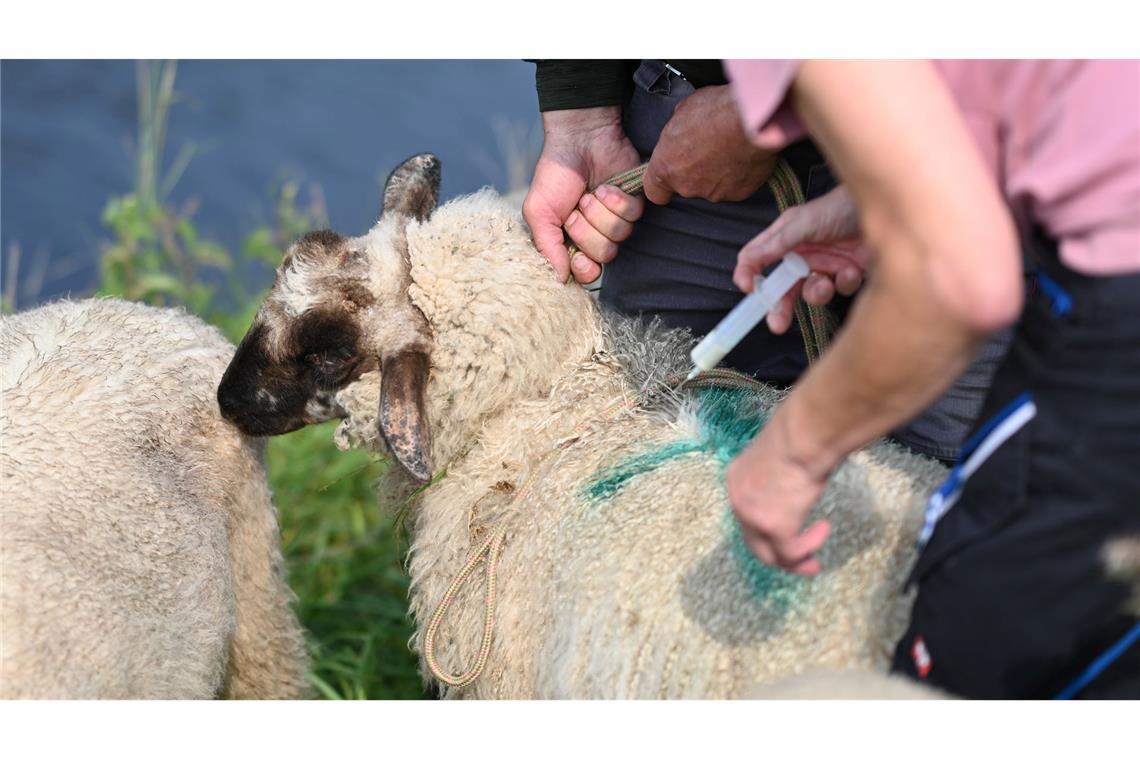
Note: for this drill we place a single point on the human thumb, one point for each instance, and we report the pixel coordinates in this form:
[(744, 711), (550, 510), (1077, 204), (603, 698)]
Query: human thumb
[(546, 229)]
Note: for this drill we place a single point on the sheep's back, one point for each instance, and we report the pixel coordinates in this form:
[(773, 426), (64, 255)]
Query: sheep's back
[(624, 573), (115, 471), (672, 602)]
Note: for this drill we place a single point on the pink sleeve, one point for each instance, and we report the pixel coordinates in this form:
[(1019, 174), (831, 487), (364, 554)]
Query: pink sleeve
[(761, 90), (1074, 158)]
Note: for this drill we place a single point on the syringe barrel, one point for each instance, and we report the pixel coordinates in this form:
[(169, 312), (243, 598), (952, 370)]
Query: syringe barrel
[(748, 313)]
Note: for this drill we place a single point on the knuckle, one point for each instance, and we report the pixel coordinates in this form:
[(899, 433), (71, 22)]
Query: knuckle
[(762, 523), (635, 208), (650, 180), (624, 230), (605, 252), (790, 219), (620, 203), (657, 170), (586, 244), (785, 552), (763, 552)]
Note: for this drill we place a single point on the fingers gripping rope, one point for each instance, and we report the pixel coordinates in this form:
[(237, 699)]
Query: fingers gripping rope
[(630, 182), (816, 323)]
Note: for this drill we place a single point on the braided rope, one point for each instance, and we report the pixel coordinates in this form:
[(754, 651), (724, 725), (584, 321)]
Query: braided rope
[(722, 377), (817, 324), (491, 548)]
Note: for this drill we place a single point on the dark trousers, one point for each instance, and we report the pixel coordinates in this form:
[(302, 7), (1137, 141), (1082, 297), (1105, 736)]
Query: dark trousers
[(678, 265), (1013, 598)]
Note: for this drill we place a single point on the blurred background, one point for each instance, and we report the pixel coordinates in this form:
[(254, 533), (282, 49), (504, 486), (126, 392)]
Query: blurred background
[(235, 133), (181, 184)]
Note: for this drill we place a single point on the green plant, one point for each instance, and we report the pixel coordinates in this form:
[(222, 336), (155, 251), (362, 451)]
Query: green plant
[(157, 253)]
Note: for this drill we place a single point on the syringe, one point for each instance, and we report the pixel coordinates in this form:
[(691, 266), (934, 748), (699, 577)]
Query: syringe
[(766, 293)]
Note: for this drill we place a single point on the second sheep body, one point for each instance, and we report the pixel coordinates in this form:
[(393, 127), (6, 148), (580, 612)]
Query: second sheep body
[(139, 548)]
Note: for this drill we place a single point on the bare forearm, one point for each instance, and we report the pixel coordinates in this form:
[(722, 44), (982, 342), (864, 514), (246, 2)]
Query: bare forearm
[(946, 257), (898, 353), (946, 274)]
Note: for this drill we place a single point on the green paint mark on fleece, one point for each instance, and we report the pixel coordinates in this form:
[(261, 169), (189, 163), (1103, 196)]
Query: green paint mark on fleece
[(728, 418), (612, 480), (770, 584)]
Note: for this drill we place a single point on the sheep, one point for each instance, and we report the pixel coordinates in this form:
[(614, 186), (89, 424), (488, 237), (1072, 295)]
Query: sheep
[(521, 417), (138, 540), (847, 684)]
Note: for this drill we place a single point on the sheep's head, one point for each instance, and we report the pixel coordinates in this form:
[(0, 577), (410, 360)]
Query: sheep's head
[(339, 307)]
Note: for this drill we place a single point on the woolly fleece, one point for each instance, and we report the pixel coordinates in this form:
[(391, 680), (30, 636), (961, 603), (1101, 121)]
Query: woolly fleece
[(138, 541), (642, 593), (848, 684)]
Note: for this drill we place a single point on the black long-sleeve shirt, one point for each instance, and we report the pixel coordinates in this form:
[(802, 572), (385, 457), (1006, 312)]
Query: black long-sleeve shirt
[(566, 84)]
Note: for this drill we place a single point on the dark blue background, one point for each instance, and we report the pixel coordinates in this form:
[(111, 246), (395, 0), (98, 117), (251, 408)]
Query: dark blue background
[(66, 130)]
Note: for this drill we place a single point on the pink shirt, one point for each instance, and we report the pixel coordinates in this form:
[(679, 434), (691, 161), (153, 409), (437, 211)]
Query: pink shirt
[(1062, 139)]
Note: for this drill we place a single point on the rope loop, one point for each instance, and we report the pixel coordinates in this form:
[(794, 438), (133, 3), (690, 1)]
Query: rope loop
[(490, 549)]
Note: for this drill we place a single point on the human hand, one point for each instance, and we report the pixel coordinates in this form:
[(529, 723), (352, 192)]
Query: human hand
[(581, 148), (825, 232), (703, 152), (771, 492)]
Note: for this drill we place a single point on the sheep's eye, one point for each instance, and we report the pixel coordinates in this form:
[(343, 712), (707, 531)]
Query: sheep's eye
[(327, 361)]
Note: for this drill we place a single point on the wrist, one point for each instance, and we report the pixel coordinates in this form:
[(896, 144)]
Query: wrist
[(582, 124), (804, 441)]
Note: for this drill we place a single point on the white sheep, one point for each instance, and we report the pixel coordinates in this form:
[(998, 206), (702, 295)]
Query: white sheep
[(847, 684), (552, 433), (138, 542)]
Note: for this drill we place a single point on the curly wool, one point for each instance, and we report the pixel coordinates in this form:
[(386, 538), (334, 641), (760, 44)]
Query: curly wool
[(139, 549), (645, 588), (848, 684)]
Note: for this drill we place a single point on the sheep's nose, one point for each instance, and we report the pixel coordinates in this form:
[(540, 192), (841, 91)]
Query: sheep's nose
[(229, 404)]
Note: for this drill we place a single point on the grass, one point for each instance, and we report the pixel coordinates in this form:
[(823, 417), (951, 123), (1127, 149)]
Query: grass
[(345, 565)]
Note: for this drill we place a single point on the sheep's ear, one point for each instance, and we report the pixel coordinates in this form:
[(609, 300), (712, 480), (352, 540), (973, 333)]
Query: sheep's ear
[(403, 418), (412, 188)]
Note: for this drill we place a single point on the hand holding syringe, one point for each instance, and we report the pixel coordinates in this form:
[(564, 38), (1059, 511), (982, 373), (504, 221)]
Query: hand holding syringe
[(766, 293)]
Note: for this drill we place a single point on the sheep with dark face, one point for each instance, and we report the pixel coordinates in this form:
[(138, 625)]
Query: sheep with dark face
[(443, 337), (339, 308)]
